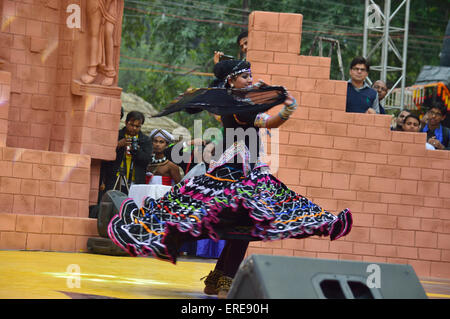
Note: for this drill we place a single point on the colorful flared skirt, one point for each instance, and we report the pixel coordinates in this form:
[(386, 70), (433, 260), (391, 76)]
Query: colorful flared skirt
[(222, 204)]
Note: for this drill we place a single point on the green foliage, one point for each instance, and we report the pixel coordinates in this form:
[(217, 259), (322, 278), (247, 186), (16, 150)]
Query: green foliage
[(168, 45)]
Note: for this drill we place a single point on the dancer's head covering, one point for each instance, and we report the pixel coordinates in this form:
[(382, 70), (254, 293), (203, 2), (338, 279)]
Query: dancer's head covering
[(159, 132), (227, 69)]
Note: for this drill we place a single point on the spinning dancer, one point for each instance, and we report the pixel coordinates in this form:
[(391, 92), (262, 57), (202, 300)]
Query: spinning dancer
[(237, 199)]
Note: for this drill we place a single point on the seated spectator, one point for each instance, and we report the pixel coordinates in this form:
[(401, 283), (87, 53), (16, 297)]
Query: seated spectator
[(437, 134), (159, 165), (382, 90), (361, 98), (399, 120)]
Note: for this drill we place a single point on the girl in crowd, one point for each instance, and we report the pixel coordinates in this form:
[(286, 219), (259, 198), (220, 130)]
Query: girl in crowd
[(412, 124), (237, 199)]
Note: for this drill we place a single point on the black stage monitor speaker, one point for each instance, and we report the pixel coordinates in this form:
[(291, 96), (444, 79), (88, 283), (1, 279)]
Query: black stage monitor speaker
[(109, 206), (281, 277), (104, 246)]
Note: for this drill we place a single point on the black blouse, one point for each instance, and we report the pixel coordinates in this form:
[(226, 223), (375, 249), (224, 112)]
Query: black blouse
[(241, 127)]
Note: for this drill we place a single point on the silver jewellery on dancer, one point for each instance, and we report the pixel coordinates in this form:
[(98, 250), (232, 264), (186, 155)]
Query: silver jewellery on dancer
[(287, 110), (229, 76)]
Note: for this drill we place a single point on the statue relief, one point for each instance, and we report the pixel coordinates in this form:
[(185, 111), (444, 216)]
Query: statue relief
[(103, 19)]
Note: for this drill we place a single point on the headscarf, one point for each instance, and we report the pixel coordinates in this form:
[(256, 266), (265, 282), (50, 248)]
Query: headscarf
[(222, 100), (227, 69), (159, 132)]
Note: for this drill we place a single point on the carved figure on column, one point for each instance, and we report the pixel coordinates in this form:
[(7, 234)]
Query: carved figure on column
[(104, 34)]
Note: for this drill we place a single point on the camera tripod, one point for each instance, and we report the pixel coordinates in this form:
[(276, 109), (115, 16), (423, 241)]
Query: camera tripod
[(122, 177)]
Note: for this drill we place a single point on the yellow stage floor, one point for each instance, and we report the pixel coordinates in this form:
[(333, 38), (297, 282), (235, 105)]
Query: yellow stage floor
[(56, 275)]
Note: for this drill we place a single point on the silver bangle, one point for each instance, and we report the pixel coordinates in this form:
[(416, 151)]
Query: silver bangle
[(292, 104)]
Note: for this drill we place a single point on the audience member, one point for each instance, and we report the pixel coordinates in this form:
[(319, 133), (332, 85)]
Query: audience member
[(399, 120), (361, 98), (412, 124), (382, 90), (423, 120), (159, 164), (133, 153), (437, 134), (241, 41)]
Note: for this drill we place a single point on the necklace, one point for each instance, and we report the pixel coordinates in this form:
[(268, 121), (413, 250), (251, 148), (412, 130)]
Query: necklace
[(159, 160)]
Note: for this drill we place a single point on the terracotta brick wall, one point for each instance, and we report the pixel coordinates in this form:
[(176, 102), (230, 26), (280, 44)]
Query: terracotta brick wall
[(45, 112), (398, 192), (32, 30), (5, 88), (44, 198), (39, 50)]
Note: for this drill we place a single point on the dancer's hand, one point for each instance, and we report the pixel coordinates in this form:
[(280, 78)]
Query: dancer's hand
[(260, 84), (289, 100)]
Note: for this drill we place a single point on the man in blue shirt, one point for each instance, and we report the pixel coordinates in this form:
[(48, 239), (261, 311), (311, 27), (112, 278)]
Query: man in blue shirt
[(437, 134), (361, 98)]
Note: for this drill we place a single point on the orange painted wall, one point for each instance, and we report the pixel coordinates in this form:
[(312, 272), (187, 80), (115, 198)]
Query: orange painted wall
[(398, 192)]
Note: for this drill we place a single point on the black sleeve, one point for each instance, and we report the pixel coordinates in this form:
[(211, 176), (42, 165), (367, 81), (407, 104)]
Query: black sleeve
[(144, 153)]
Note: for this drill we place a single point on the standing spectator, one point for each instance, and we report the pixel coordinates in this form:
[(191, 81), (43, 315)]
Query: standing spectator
[(437, 134), (382, 90), (159, 164), (399, 120), (361, 98), (241, 41), (133, 153)]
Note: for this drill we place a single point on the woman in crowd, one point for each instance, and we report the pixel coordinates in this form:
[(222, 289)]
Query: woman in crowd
[(237, 199)]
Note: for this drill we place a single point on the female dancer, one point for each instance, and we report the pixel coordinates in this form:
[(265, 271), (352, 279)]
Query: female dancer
[(237, 199)]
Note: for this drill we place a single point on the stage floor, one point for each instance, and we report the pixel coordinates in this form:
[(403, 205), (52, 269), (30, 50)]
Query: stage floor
[(56, 275)]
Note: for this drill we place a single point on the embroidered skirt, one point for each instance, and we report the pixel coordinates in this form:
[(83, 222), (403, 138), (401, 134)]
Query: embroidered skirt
[(222, 204)]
